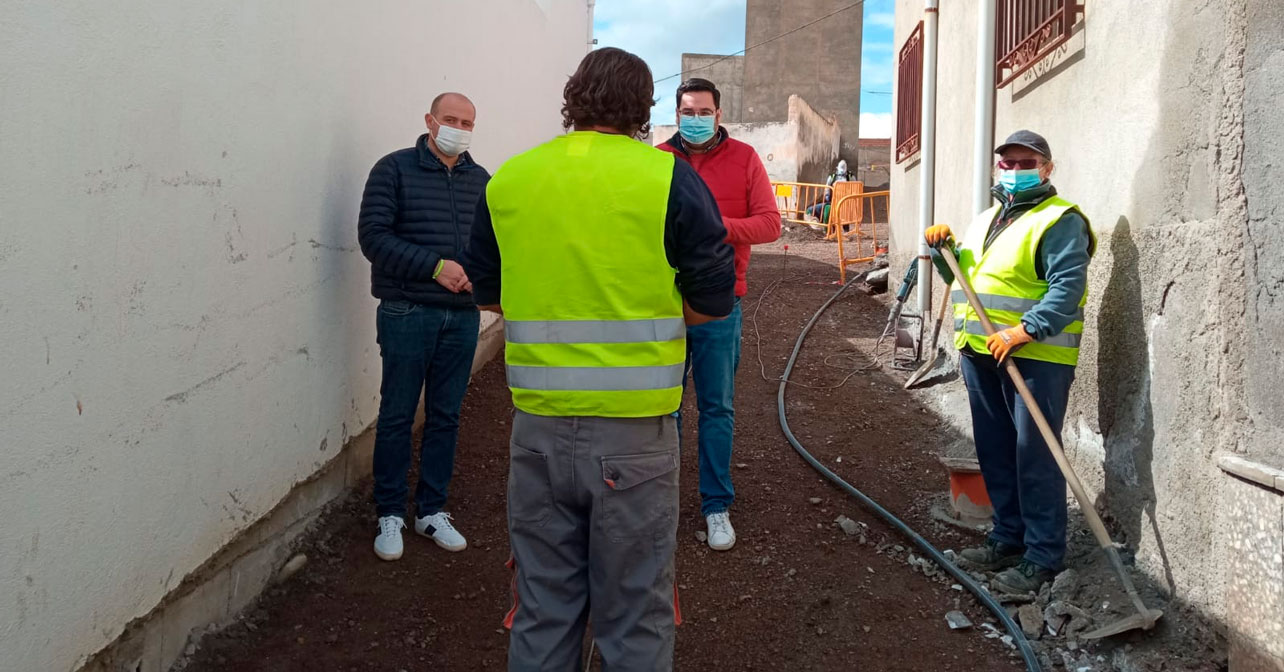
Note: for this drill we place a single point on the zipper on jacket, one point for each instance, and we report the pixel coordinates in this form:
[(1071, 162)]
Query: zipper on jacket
[(454, 213)]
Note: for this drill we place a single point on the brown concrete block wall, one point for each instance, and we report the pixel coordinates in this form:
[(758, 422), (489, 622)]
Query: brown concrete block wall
[(821, 63)]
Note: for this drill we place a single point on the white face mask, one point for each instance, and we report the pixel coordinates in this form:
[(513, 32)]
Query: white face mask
[(450, 140)]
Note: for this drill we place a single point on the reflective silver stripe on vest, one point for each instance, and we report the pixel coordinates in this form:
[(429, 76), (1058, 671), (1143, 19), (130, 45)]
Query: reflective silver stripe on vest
[(1000, 302), (594, 378), (595, 331), (977, 329)]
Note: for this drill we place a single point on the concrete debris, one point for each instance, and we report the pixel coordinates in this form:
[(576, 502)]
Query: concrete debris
[(1045, 594), (1065, 586), (957, 586), (701, 536), (991, 632), (1013, 598), (848, 525), (950, 555), (814, 500), (1031, 619), (292, 567), (1065, 619), (791, 573), (957, 620), (741, 465)]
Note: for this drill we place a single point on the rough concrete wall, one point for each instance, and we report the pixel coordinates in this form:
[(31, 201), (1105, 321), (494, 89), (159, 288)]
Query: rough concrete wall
[(874, 164), (818, 141), (820, 63), (727, 72), (1169, 143), (186, 328), (1263, 173)]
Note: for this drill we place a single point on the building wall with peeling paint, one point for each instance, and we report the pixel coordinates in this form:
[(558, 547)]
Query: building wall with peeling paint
[(185, 321), (1164, 122)]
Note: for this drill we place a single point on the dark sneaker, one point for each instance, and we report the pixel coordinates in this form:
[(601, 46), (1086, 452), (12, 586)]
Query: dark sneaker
[(993, 556), (1026, 577)]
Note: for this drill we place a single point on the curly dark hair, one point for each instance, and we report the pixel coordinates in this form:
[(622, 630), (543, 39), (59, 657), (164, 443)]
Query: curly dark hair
[(612, 88)]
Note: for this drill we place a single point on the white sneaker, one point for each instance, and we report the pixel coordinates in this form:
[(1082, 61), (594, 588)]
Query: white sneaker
[(388, 544), (438, 528), (722, 536)]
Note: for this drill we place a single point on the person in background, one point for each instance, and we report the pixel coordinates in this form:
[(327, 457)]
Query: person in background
[(820, 210), (597, 278), (739, 182), (1027, 259), (416, 215)]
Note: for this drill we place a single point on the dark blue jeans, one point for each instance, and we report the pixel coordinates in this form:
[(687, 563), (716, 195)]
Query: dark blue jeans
[(430, 350), (1025, 486), (713, 355)]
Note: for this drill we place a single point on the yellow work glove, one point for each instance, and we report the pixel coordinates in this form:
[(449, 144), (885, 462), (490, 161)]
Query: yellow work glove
[(938, 235), (1003, 343)]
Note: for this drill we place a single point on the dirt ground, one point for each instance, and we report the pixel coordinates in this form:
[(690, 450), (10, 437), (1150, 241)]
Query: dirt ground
[(797, 593)]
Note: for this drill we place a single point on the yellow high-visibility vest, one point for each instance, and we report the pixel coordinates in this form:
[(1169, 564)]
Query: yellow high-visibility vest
[(593, 317), (1005, 280)]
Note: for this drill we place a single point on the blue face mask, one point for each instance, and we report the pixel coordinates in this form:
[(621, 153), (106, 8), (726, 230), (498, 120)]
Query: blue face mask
[(697, 130), (1019, 180)]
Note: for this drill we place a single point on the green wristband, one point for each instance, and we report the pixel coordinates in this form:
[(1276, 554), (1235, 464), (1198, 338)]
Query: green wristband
[(437, 272)]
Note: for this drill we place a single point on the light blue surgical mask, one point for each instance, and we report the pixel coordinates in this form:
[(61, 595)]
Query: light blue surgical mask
[(1019, 180), (697, 130)]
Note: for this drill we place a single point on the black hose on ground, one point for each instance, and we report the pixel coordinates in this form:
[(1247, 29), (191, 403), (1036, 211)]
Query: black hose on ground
[(1018, 637)]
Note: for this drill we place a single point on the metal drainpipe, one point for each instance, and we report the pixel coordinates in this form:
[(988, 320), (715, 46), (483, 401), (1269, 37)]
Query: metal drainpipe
[(984, 147), (591, 42), (927, 163)]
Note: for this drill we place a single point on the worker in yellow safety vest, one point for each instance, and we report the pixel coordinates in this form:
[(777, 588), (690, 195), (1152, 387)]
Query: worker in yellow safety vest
[(599, 250), (1027, 259)]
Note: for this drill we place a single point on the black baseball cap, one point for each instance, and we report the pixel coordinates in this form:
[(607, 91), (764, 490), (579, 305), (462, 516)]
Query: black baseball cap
[(1029, 140)]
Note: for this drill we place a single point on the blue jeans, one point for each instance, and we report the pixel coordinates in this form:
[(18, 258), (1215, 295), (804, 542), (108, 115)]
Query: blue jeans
[(713, 355), (1025, 486), (425, 349)]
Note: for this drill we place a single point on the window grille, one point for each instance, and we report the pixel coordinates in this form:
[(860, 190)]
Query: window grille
[(909, 95), (1027, 30)]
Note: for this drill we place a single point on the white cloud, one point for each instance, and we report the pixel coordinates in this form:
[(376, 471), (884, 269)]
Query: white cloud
[(876, 125), (881, 19)]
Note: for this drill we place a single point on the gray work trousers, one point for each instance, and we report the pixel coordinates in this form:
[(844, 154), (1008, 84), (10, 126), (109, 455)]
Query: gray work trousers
[(592, 521)]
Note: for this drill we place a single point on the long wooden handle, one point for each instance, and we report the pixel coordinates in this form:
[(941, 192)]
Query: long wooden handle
[(1050, 437), (940, 318)]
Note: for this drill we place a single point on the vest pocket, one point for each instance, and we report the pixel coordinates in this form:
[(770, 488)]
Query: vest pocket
[(640, 497)]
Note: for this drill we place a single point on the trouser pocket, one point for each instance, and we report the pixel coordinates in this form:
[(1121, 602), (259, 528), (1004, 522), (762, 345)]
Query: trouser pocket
[(641, 494), (530, 492)]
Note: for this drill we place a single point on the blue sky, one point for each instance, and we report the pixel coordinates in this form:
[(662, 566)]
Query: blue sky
[(661, 30)]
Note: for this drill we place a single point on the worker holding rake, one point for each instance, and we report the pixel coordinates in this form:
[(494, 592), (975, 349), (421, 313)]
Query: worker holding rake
[(1027, 259)]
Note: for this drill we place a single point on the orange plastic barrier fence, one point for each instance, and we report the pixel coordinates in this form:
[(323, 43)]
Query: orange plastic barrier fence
[(799, 201), (856, 221)]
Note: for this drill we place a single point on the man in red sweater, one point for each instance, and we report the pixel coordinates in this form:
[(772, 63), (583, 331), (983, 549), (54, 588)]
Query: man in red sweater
[(739, 183)]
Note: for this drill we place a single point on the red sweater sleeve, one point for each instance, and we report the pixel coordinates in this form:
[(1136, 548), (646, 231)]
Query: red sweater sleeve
[(763, 223)]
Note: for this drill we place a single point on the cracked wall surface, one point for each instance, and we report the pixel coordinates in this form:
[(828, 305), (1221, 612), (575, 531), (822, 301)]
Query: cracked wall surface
[(1166, 130), (186, 330)]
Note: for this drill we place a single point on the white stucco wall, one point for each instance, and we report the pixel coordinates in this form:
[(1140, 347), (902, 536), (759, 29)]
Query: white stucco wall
[(185, 325)]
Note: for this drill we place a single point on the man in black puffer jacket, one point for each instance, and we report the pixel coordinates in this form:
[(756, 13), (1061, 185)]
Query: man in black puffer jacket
[(416, 215)]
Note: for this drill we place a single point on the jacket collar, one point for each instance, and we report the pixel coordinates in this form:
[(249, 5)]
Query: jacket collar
[(679, 144), (430, 161)]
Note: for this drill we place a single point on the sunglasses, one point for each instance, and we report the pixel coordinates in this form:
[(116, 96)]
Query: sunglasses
[(1018, 164)]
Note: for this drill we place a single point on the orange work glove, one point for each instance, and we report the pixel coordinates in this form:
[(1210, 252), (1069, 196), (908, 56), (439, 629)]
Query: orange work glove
[(938, 235), (1003, 343)]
